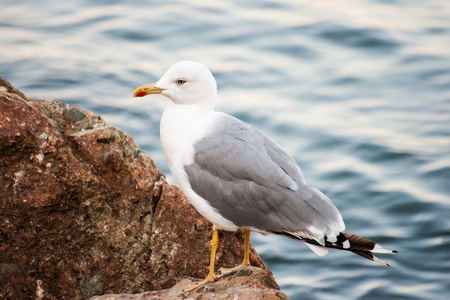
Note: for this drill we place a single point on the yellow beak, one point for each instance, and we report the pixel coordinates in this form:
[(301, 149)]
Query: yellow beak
[(147, 90)]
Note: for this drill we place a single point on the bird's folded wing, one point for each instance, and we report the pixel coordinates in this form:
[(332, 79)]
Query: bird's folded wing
[(253, 183)]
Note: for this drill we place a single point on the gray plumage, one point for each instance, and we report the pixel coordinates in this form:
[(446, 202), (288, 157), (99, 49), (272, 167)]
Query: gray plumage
[(254, 183)]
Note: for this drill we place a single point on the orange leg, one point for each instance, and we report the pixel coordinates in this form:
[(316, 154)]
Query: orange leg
[(211, 277), (246, 261)]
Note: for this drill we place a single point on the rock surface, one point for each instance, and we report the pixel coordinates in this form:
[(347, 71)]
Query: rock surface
[(248, 283), (84, 212)]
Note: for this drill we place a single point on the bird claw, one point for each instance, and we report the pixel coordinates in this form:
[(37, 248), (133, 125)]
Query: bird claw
[(228, 270), (207, 280)]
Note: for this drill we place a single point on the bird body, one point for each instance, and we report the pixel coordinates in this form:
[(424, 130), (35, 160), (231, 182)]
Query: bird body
[(237, 177), (263, 184)]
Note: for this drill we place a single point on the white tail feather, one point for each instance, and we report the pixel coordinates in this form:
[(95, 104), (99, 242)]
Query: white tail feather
[(319, 250), (379, 249)]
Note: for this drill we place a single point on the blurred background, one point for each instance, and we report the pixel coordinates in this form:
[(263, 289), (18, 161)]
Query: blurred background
[(358, 91)]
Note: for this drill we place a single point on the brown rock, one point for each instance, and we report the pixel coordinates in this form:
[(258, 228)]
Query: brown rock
[(84, 212), (248, 283)]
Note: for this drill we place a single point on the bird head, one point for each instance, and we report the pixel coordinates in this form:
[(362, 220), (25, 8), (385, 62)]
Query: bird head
[(186, 82)]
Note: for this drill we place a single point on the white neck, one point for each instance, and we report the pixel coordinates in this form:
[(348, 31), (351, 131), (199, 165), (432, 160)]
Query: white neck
[(180, 125)]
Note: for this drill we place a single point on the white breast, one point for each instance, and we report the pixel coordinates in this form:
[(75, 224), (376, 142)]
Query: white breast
[(181, 126)]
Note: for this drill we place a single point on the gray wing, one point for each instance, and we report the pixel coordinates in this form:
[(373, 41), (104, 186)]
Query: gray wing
[(254, 183)]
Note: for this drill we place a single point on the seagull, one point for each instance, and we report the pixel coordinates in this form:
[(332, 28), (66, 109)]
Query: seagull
[(237, 177)]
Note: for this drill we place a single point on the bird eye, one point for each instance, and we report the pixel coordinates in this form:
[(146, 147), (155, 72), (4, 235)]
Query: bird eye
[(181, 81)]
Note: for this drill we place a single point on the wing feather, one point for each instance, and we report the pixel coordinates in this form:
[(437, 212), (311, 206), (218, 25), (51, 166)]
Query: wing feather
[(254, 183)]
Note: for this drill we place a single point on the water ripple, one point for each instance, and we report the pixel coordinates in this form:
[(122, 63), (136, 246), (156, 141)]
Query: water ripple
[(357, 93)]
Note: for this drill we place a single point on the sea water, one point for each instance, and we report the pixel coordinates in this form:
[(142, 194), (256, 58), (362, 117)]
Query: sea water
[(357, 91)]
